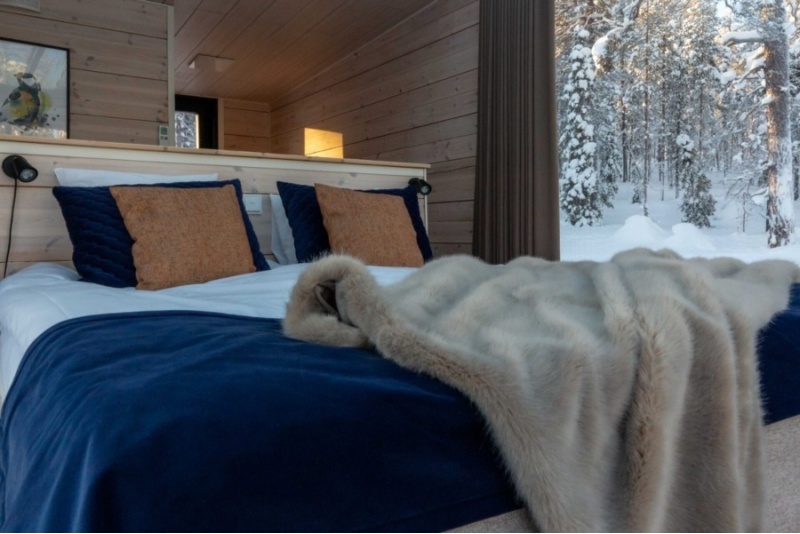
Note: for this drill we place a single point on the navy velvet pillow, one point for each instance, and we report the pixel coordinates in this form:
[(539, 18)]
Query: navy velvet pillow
[(101, 243), (308, 229)]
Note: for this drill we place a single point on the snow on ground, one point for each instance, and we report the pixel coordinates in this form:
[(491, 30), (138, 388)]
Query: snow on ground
[(625, 227)]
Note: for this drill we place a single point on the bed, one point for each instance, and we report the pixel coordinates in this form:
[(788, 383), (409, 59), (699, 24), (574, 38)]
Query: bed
[(186, 408)]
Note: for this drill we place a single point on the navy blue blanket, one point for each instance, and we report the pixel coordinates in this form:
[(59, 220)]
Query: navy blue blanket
[(779, 362), (186, 421)]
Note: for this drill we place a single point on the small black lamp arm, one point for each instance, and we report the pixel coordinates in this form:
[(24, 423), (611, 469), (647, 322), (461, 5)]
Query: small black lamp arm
[(17, 168)]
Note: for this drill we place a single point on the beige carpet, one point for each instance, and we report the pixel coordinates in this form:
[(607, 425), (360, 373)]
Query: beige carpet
[(783, 476), (783, 486)]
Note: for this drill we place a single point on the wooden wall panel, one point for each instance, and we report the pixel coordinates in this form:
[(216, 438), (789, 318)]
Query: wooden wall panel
[(39, 232), (455, 180), (118, 63), (276, 44), (110, 95), (443, 100), (98, 50), (112, 129), (128, 16), (245, 143), (448, 57), (245, 125), (409, 95), (438, 19)]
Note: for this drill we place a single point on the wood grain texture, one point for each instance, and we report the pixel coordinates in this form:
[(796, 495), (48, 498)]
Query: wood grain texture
[(112, 129), (246, 119), (428, 24), (246, 143), (245, 125), (449, 249), (448, 57), (276, 44), (118, 62), (39, 232), (397, 79), (409, 95), (96, 49), (109, 95), (130, 16), (439, 101)]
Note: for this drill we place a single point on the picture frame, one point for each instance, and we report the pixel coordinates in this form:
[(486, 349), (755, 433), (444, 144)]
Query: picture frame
[(34, 89)]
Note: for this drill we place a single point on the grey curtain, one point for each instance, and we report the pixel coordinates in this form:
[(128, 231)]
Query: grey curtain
[(516, 186)]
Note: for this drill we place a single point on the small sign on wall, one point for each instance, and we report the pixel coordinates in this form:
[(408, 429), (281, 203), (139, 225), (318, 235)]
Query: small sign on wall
[(163, 134)]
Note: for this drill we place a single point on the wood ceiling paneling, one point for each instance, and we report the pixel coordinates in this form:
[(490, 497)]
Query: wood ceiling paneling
[(276, 45)]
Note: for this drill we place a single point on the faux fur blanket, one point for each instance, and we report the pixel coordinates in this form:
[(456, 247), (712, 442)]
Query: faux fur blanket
[(623, 396)]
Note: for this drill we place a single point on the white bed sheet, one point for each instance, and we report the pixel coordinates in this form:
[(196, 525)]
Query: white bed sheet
[(42, 295)]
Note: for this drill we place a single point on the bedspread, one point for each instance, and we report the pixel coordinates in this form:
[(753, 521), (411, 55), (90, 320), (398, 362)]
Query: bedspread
[(622, 395), (192, 421)]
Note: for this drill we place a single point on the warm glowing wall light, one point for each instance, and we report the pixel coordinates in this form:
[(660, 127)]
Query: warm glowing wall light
[(324, 143)]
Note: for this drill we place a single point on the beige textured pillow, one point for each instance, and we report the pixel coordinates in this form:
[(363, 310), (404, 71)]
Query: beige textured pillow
[(184, 236), (372, 227)]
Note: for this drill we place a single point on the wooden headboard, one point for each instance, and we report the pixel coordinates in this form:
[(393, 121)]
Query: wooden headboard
[(39, 233)]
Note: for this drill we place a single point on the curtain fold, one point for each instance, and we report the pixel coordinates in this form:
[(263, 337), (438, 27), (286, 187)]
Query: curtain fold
[(516, 183)]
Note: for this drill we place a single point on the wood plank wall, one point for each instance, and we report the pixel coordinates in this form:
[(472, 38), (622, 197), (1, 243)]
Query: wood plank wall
[(40, 234), (244, 125), (118, 63), (410, 95)]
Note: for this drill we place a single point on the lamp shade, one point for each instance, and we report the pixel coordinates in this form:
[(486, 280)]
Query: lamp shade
[(18, 168)]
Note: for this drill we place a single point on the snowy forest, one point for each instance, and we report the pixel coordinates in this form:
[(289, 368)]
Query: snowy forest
[(696, 100)]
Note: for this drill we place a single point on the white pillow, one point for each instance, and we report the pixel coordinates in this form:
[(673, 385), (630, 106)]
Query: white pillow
[(95, 177), (282, 236)]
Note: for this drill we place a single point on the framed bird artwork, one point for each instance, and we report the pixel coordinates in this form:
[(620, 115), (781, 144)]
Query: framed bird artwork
[(34, 89)]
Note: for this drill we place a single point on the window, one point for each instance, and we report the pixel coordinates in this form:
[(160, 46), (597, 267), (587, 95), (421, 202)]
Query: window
[(678, 126), (195, 122)]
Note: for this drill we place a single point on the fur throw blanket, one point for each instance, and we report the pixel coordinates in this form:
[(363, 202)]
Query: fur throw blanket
[(622, 395)]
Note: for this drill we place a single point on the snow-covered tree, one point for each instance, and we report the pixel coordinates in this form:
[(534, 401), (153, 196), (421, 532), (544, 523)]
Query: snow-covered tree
[(186, 129), (580, 199), (765, 23), (609, 153), (698, 204), (715, 70)]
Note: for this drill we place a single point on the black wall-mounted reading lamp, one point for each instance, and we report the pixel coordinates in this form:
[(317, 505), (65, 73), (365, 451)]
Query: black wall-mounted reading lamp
[(17, 168), (423, 187)]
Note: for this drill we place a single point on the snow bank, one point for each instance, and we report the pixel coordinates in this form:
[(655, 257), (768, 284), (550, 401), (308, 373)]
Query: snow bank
[(689, 239), (639, 231)]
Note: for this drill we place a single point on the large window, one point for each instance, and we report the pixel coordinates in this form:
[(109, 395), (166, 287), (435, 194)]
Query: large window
[(678, 124), (195, 122)]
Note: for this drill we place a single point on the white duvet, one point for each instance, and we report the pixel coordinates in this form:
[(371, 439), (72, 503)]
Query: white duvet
[(40, 296)]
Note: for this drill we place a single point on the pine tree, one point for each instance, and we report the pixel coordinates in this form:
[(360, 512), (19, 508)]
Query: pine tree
[(766, 24), (580, 201), (698, 204)]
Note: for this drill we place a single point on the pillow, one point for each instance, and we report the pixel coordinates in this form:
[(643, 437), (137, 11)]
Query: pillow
[(376, 229), (282, 238), (184, 236), (305, 219), (101, 243), (94, 177)]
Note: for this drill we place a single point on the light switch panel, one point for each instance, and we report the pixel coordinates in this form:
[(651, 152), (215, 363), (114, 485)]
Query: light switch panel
[(252, 204)]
